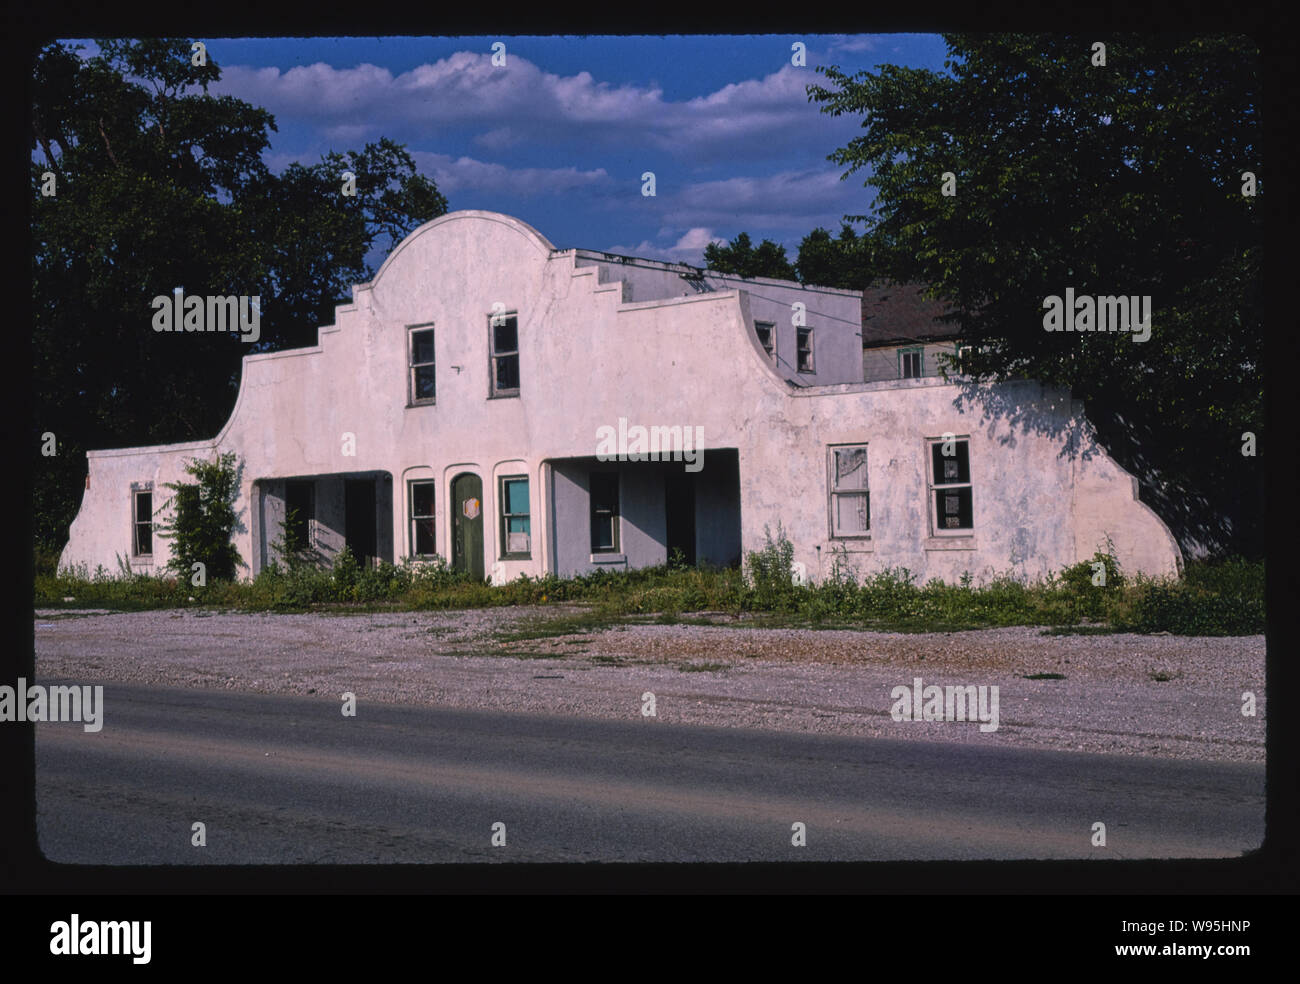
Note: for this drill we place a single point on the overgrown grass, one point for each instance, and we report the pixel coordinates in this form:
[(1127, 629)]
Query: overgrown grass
[(1225, 598)]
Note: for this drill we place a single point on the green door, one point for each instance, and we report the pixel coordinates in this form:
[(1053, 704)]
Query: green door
[(467, 524)]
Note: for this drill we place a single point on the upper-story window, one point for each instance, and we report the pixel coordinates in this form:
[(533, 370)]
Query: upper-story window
[(142, 523), (765, 330), (911, 363), (503, 335), (804, 349), (950, 486), (422, 389)]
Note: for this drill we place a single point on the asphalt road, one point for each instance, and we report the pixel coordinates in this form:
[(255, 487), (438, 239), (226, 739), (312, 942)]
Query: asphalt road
[(290, 780)]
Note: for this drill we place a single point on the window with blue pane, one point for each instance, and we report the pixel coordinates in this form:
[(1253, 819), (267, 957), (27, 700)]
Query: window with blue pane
[(516, 529)]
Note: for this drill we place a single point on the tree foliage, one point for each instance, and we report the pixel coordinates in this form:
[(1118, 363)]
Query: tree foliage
[(1122, 179), (849, 261), (160, 184), (203, 518), (741, 258)]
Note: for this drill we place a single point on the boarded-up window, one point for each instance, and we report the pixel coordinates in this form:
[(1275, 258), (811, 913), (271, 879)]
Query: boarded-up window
[(422, 519), (516, 528), (142, 541), (504, 336), (604, 512), (850, 501), (951, 485)]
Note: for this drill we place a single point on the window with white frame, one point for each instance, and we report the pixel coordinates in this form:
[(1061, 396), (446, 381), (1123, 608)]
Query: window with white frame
[(423, 539), (422, 385), (503, 336), (850, 502), (516, 528), (950, 486), (142, 522), (911, 363)]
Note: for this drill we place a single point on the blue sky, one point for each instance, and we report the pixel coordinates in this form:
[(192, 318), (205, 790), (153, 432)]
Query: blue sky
[(561, 135)]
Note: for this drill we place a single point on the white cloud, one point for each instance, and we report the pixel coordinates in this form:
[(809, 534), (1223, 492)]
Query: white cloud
[(778, 201), (761, 117), (689, 248), (499, 139), (466, 173), (855, 43)]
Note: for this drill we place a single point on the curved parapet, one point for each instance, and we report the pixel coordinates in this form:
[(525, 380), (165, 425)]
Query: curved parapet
[(1109, 517)]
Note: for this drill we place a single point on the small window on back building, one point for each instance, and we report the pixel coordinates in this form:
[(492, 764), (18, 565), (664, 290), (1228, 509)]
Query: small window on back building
[(804, 350), (911, 363)]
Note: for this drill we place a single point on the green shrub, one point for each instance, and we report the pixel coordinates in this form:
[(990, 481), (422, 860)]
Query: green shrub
[(203, 519), (1212, 599), (770, 573)]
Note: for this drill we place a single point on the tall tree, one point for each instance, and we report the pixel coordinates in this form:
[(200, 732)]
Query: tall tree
[(159, 184), (848, 261), (1113, 173), (741, 258)]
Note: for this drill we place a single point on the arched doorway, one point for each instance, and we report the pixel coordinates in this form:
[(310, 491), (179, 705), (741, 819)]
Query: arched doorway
[(467, 524)]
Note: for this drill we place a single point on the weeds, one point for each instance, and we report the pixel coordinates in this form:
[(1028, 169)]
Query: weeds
[(1090, 598)]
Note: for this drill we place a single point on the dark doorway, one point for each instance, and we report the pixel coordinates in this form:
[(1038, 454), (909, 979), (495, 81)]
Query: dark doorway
[(299, 511), (359, 519), (467, 524), (679, 505)]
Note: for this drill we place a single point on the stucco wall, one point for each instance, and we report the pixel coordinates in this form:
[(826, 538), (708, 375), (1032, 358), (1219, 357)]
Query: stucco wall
[(832, 314), (588, 358)]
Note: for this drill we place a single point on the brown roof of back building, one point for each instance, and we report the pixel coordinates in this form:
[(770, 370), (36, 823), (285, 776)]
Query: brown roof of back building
[(899, 313)]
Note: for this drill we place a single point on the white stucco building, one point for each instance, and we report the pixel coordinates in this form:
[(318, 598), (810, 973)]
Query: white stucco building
[(458, 405)]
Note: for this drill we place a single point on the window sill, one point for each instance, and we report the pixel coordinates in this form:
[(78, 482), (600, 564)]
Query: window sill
[(422, 403), (505, 557), (966, 542), (512, 395), (853, 544), (608, 558)]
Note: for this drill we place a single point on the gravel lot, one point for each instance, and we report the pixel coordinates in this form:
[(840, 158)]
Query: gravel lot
[(1169, 696)]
